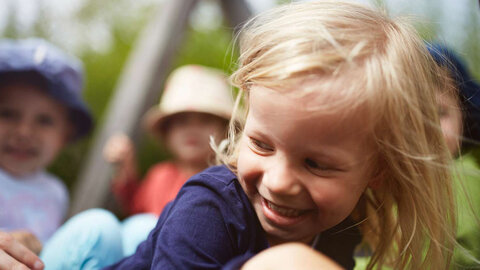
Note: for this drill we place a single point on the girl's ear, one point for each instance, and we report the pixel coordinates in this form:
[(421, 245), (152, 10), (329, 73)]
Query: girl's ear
[(377, 179)]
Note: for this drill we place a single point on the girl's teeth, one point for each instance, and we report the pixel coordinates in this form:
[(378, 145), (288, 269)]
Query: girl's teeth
[(288, 212)]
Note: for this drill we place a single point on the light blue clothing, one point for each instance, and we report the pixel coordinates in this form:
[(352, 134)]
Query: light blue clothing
[(94, 239), (36, 203), (135, 230), (210, 225)]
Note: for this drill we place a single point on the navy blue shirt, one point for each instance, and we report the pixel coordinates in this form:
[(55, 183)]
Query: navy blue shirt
[(212, 225)]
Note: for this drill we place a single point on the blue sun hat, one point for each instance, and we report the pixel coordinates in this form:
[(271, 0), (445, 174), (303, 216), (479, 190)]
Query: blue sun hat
[(468, 89), (62, 73)]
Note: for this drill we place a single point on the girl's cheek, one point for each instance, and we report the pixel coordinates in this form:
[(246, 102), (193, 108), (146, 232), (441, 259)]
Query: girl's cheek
[(249, 169), (329, 195)]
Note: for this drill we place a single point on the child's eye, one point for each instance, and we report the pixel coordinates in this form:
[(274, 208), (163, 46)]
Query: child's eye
[(8, 114), (442, 111), (260, 146), (45, 120)]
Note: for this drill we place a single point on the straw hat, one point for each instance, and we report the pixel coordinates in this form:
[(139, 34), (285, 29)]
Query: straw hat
[(191, 88)]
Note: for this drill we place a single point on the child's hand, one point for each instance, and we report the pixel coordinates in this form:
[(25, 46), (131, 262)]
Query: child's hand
[(28, 239), (290, 256), (118, 149), (13, 255)]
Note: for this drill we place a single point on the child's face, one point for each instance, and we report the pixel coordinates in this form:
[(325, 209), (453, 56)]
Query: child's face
[(303, 172), (450, 121), (33, 128), (188, 136)]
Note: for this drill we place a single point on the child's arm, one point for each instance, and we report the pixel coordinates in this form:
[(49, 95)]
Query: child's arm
[(13, 255), (119, 151), (210, 223)]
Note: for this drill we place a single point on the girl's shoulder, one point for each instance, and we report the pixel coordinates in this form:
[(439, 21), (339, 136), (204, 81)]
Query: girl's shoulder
[(216, 188), (220, 176)]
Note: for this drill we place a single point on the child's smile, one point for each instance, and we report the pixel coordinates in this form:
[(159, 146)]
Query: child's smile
[(302, 172), (20, 152)]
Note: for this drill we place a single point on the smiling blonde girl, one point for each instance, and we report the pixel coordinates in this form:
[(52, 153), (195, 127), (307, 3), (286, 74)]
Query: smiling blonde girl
[(373, 78)]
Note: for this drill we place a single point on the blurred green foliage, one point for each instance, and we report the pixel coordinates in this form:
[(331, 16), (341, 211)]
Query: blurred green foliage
[(102, 71), (211, 48), (205, 47)]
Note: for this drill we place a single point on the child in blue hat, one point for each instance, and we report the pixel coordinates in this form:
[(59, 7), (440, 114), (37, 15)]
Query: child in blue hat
[(41, 111), (459, 109)]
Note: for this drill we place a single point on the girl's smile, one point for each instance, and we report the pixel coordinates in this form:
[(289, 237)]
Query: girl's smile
[(282, 216)]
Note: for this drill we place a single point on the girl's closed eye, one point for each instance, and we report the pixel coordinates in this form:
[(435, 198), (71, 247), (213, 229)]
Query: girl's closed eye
[(319, 168), (260, 147)]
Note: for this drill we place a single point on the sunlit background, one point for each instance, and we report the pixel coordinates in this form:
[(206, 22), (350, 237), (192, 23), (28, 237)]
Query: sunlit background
[(102, 33), (81, 25)]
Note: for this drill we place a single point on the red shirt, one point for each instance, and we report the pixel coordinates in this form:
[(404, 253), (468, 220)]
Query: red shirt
[(160, 186)]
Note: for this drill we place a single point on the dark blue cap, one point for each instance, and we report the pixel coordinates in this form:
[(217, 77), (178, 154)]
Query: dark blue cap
[(63, 74), (468, 89)]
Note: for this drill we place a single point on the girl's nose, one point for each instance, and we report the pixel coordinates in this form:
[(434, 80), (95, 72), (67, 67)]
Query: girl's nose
[(281, 178)]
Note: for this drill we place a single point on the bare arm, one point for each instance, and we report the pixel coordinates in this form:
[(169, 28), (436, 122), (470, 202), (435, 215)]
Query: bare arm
[(290, 256)]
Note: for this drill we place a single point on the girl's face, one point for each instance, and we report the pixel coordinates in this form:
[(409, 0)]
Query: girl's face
[(450, 121), (303, 172), (188, 136)]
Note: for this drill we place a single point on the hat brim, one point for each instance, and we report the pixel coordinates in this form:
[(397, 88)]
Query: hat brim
[(154, 120)]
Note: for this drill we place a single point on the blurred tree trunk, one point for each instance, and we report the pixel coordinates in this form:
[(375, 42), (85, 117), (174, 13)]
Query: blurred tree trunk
[(137, 89)]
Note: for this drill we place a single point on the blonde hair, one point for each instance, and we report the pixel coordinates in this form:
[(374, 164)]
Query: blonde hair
[(408, 219)]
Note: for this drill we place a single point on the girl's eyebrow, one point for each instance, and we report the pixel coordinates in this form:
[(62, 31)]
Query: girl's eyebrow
[(325, 156), (254, 132), (253, 127)]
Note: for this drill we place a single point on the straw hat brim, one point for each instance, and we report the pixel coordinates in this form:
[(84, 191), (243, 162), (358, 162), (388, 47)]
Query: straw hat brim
[(155, 119)]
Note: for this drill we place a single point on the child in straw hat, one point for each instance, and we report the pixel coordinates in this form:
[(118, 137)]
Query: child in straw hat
[(195, 105)]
